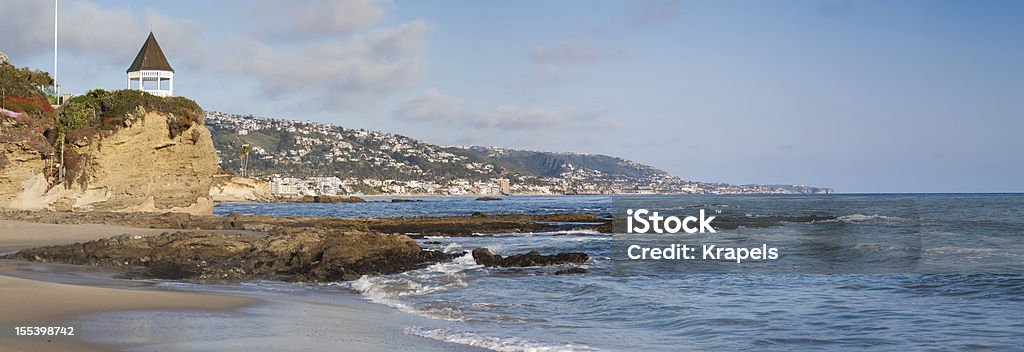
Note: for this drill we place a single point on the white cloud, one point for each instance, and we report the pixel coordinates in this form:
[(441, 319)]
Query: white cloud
[(566, 52), (332, 71), (316, 18), (327, 52), (20, 27), (649, 12), (433, 107), (109, 35), (560, 62)]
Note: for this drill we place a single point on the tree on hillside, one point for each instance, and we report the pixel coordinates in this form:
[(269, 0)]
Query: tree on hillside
[(243, 155), (74, 116)]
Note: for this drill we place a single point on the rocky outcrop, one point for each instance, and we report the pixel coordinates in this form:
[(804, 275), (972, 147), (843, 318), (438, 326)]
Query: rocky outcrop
[(415, 226), (483, 256), (330, 199), (226, 188), (288, 254), (139, 167)]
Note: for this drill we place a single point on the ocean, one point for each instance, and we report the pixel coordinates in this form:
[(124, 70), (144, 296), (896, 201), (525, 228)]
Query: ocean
[(884, 272)]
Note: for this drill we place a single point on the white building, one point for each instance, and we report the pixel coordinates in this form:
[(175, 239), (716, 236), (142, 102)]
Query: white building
[(504, 185), (150, 72), (286, 186), (327, 185)]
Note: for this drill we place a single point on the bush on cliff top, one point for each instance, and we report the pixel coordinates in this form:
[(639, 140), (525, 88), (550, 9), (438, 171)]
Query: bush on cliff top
[(29, 105), (112, 110), (23, 82)]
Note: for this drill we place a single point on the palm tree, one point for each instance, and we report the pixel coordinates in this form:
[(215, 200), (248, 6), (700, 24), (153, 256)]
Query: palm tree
[(244, 156)]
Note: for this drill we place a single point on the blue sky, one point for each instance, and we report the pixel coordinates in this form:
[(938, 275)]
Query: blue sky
[(861, 96)]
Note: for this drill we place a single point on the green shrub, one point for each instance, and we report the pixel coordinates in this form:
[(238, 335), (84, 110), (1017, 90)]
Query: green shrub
[(74, 116), (116, 109), (23, 81)]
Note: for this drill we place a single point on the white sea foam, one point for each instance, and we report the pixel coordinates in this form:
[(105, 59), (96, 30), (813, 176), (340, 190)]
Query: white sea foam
[(575, 232), (390, 289), (862, 217), (452, 248), (549, 233), (457, 265), (378, 289), (507, 344)]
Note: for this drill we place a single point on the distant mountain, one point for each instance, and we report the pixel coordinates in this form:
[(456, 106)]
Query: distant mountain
[(549, 164), (308, 149)]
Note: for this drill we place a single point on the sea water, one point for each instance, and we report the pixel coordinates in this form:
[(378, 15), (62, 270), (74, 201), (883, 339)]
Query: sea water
[(937, 272)]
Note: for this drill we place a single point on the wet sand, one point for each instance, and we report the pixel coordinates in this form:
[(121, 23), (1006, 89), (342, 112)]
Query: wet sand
[(16, 235), (110, 314), (39, 303)]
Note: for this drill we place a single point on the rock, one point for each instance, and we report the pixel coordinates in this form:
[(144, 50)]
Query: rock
[(478, 214), (226, 188), (421, 225), (288, 254), (488, 198), (400, 200), (485, 257), (137, 168), (331, 199), (576, 270)]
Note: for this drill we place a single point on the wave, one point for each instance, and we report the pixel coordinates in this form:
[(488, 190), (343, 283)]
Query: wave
[(545, 233), (572, 232), (389, 290), (452, 247), (862, 217), (507, 344)]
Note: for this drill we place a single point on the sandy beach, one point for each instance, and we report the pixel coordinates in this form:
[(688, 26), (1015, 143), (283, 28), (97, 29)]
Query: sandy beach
[(40, 303), (110, 314), (19, 235)]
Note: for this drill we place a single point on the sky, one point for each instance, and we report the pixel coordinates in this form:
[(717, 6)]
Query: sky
[(860, 96)]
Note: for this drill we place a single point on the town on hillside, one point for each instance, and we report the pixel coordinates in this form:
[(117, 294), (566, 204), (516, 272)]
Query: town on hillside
[(300, 158)]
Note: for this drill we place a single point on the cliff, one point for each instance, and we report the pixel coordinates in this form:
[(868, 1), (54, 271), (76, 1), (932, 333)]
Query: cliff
[(227, 188), (136, 168)]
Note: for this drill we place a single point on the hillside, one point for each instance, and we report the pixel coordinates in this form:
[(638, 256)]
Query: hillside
[(307, 149)]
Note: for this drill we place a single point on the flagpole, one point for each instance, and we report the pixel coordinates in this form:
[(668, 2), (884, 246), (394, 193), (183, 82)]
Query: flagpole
[(55, 86)]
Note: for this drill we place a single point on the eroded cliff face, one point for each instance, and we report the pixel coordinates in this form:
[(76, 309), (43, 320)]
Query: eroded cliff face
[(227, 188), (136, 168)]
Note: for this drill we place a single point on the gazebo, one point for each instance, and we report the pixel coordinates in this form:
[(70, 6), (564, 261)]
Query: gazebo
[(150, 72)]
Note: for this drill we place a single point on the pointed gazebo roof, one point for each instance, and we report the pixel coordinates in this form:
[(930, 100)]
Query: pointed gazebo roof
[(150, 57)]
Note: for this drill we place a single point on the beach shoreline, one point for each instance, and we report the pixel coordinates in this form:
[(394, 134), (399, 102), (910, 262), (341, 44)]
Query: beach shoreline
[(108, 312)]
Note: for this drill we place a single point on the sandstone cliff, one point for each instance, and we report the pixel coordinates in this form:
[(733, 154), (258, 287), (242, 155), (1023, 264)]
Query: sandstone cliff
[(227, 188), (139, 167)]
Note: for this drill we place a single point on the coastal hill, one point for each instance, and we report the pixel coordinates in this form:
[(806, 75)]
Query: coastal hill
[(124, 150), (377, 162)]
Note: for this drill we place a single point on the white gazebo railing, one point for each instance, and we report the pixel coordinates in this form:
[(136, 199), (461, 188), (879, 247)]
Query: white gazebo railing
[(159, 83)]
